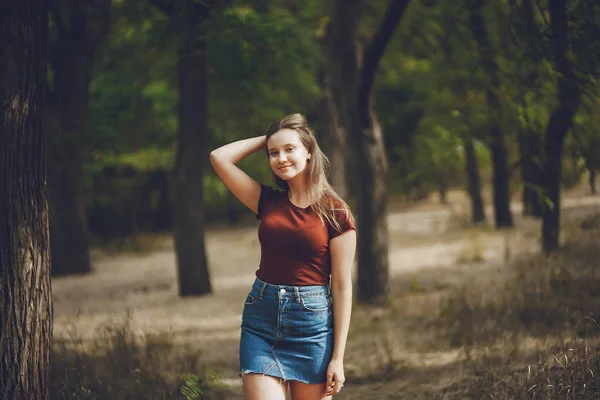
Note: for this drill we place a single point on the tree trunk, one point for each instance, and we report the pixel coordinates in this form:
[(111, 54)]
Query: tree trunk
[(500, 173), (458, 86), (592, 181), (332, 136), (25, 294), (352, 79), (188, 232), (551, 181), (473, 182), (443, 193), (530, 151), (372, 201), (561, 119), (72, 64)]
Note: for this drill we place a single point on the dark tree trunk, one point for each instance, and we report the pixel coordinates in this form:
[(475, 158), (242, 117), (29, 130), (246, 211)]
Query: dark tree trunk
[(25, 294), (551, 181), (189, 169), (529, 141), (500, 174), (592, 181), (561, 119), (372, 201), (530, 149), (473, 182), (458, 86), (331, 135), (72, 64), (352, 81), (443, 192), (188, 233)]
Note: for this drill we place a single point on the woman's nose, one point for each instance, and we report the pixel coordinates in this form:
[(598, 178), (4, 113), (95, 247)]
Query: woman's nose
[(282, 157)]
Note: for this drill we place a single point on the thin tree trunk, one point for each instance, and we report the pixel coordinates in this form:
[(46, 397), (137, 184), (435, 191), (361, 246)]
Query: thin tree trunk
[(592, 181), (188, 232), (72, 64), (471, 164), (473, 182), (561, 119), (529, 141), (500, 173), (530, 150), (25, 294)]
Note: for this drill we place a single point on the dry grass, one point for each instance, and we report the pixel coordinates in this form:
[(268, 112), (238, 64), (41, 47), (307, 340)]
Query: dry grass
[(530, 331), (119, 365), (535, 294)]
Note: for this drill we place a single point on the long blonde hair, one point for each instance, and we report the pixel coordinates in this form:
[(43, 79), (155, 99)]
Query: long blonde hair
[(323, 198)]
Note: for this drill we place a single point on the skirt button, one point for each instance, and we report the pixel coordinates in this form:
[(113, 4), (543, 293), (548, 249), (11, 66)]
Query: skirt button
[(282, 291)]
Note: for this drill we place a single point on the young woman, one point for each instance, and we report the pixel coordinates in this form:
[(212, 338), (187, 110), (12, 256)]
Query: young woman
[(296, 316)]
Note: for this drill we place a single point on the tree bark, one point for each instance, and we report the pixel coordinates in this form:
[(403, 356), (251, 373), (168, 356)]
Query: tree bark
[(500, 173), (473, 182), (561, 120), (352, 78), (529, 141), (80, 32), (331, 134), (471, 164), (25, 294), (192, 152), (192, 140), (529, 149)]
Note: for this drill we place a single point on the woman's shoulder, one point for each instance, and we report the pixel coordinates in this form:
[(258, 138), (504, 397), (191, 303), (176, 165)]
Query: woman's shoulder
[(337, 204), (269, 197)]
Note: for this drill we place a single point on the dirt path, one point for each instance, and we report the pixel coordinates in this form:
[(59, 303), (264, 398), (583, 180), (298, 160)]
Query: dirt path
[(424, 246)]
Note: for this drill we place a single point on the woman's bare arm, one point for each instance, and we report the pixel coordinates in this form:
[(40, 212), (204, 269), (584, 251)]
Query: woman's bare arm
[(224, 160), (342, 250)]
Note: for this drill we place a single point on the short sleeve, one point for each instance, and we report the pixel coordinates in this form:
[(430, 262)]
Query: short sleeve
[(344, 218), (268, 196)]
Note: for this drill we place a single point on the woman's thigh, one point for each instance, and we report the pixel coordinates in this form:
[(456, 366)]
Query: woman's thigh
[(305, 391), (263, 387)]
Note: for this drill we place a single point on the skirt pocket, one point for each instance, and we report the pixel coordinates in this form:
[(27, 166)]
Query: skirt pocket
[(315, 303)]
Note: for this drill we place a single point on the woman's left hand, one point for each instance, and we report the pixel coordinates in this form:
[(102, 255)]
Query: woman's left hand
[(335, 377)]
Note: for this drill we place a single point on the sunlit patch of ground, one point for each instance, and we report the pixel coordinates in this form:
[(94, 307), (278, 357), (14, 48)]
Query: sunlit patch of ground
[(391, 353)]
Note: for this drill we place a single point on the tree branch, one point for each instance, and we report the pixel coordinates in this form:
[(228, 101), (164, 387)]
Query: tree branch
[(375, 49)]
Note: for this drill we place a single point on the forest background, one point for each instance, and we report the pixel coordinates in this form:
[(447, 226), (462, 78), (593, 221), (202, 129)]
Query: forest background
[(474, 105)]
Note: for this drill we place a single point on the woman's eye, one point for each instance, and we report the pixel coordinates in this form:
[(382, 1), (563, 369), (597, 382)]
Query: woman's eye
[(273, 154), (290, 149)]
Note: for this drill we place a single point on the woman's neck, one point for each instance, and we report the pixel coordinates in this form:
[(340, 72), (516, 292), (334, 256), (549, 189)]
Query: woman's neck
[(297, 192)]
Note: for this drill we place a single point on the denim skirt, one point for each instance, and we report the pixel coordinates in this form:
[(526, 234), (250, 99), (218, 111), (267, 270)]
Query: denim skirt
[(287, 332)]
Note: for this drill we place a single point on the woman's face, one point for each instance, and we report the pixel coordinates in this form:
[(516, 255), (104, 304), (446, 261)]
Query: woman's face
[(287, 154)]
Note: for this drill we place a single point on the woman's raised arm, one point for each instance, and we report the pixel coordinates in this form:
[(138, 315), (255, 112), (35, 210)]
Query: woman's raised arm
[(224, 160)]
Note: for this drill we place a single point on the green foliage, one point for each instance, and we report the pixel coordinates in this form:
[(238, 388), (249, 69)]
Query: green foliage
[(195, 387)]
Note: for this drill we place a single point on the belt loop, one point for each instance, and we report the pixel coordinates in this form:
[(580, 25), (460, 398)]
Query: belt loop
[(297, 293), (262, 290)]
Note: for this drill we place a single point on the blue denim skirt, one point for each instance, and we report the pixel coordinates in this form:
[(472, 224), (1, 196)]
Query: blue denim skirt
[(287, 332)]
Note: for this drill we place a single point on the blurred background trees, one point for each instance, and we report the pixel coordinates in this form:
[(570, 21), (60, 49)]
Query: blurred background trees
[(409, 99)]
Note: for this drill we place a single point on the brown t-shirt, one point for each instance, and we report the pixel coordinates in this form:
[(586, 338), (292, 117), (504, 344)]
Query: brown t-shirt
[(294, 242)]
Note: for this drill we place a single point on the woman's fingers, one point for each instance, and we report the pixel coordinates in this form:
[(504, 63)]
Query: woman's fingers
[(338, 386)]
